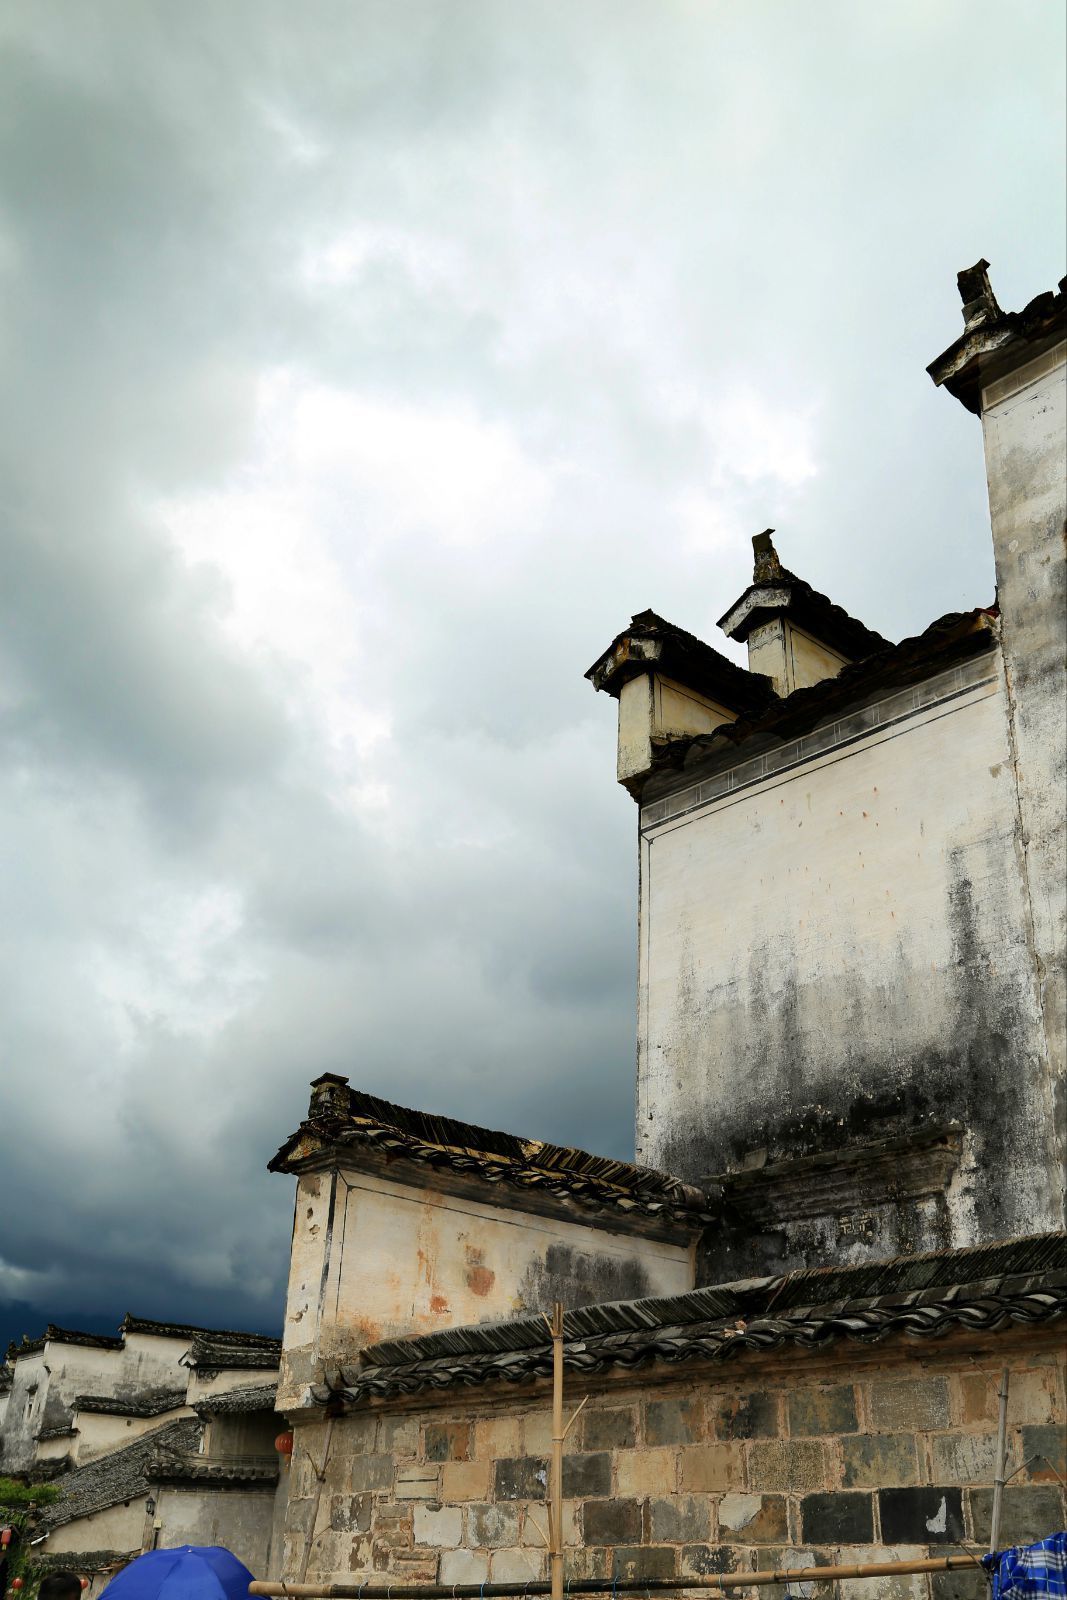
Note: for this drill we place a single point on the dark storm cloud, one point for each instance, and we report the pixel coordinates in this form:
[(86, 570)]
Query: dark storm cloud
[(364, 366)]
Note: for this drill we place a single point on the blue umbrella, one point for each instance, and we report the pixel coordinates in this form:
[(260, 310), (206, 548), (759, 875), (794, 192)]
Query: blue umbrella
[(192, 1572)]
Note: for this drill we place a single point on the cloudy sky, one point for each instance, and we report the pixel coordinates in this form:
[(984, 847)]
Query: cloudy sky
[(363, 366)]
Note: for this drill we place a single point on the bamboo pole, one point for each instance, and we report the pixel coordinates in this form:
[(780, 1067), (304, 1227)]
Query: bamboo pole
[(998, 1471), (555, 1513), (527, 1591)]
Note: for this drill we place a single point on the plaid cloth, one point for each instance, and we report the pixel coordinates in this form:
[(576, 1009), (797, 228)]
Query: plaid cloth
[(1030, 1570)]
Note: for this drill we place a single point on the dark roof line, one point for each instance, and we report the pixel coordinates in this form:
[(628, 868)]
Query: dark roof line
[(178, 1330), (987, 347), (132, 1324), (202, 1469), (250, 1397), (815, 612), (342, 1116), (33, 1347), (652, 643), (119, 1475), (983, 1287), (952, 638), (84, 1560), (149, 1405), (92, 1341), (231, 1352), (25, 1347)]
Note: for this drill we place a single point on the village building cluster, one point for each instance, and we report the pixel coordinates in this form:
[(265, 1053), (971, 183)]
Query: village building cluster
[(159, 1434), (789, 1316)]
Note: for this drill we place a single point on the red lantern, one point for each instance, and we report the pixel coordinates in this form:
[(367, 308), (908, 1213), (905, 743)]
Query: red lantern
[(16, 1583), (284, 1444), (84, 1582)]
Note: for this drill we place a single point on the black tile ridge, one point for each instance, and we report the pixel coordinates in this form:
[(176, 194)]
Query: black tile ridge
[(354, 1116), (986, 1307), (686, 657), (181, 1330), (151, 1404), (816, 611), (989, 329), (955, 637), (249, 1397), (747, 1298), (93, 1341), (116, 1476)]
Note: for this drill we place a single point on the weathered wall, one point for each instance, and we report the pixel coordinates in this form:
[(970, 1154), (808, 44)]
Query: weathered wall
[(833, 951), (852, 1455), (239, 1519), (1024, 420), (50, 1450), (372, 1258), (242, 1433), (202, 1386), (791, 658), (277, 1527), (98, 1433), (653, 708), (25, 1409), (120, 1528), (149, 1362), (63, 1371)]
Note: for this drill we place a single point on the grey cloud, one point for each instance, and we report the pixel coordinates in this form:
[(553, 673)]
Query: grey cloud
[(689, 261)]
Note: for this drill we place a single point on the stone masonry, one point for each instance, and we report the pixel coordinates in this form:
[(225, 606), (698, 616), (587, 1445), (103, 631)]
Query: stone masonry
[(861, 1456)]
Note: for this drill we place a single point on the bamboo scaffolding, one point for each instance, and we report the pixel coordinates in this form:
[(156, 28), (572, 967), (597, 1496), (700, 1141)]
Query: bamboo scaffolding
[(555, 1499), (998, 1471), (520, 1591)]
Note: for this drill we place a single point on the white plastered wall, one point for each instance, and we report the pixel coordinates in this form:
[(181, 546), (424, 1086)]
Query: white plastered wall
[(652, 708), (98, 1433), (845, 929), (373, 1259), (1024, 420)]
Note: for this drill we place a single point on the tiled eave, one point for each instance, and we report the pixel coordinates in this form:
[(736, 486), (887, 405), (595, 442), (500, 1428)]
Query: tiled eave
[(787, 594), (345, 1126), (993, 341), (949, 642), (195, 1471), (253, 1397), (652, 644), (802, 1310), (521, 1187), (153, 1405)]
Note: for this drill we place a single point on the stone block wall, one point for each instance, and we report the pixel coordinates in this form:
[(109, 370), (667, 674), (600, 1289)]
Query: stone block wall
[(674, 1475)]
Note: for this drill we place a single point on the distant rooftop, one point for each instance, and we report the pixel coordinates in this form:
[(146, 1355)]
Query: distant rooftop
[(117, 1476), (189, 1332), (231, 1352), (154, 1403), (56, 1335), (250, 1397)]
